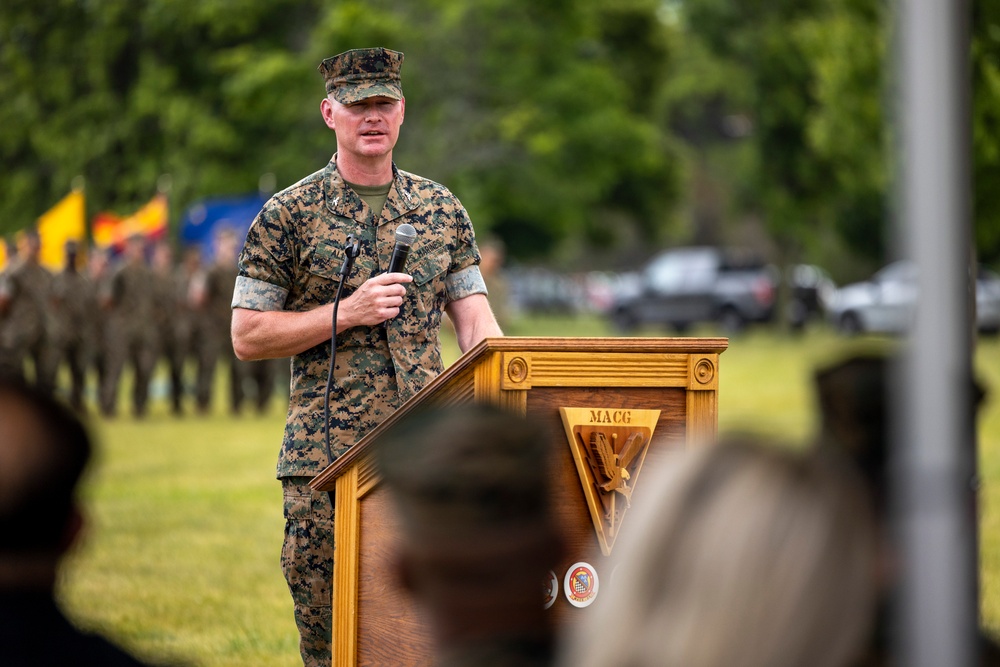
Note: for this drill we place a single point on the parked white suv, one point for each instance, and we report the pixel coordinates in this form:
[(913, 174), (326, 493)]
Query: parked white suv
[(886, 303)]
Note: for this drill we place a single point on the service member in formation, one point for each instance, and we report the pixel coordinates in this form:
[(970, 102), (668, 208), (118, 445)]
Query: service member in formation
[(99, 273), (283, 305), (129, 329), (25, 291), (171, 319), (74, 303), (7, 366), (262, 375), (212, 298)]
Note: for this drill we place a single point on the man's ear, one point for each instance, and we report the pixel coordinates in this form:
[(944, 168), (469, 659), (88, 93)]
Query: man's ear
[(326, 109)]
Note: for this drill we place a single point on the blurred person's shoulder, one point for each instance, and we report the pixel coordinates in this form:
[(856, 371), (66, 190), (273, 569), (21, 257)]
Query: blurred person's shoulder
[(989, 650), (33, 631)]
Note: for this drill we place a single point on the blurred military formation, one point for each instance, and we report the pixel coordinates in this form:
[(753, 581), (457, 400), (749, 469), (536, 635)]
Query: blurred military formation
[(77, 330)]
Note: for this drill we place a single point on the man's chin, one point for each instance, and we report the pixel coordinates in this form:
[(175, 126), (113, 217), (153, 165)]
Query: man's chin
[(375, 149)]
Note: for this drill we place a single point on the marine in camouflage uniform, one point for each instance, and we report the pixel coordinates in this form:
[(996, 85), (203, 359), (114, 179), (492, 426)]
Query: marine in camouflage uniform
[(25, 291), (99, 273), (283, 305), (130, 331), (169, 292), (6, 362), (213, 343), (74, 301), (262, 375)]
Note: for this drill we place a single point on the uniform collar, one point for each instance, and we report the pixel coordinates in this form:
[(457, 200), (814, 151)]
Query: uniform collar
[(342, 201)]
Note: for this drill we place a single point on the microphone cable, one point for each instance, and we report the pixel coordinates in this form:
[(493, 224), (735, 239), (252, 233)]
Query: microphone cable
[(351, 251)]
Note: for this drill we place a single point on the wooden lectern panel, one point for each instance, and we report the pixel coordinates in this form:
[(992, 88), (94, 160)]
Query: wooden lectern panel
[(397, 636), (571, 512), (375, 623)]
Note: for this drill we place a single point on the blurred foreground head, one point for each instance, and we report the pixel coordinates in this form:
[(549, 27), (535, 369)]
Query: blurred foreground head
[(43, 451), (853, 396), (471, 490), (855, 420), (742, 554)]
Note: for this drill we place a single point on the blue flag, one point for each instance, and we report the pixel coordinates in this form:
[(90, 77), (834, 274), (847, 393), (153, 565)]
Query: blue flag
[(204, 219)]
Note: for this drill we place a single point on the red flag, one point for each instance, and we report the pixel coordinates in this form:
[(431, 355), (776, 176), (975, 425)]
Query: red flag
[(107, 230)]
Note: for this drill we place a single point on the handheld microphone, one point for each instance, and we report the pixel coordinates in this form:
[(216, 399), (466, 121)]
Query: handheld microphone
[(405, 235)]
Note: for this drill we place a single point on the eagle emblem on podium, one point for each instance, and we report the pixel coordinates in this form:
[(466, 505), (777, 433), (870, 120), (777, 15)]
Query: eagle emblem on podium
[(609, 446)]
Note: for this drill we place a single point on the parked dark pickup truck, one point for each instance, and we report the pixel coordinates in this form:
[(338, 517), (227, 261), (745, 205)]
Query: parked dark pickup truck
[(686, 286)]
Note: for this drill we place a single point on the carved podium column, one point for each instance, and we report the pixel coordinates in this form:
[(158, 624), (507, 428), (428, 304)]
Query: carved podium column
[(609, 407)]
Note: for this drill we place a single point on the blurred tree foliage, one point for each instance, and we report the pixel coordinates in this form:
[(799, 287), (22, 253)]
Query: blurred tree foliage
[(540, 116), (814, 78), (123, 91), (806, 75), (565, 123), (986, 127)]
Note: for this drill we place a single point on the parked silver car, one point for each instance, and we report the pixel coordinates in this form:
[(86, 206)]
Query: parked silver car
[(886, 302), (681, 287)]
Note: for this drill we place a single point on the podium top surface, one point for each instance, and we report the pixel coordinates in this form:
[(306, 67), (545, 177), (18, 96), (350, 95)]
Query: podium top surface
[(672, 345)]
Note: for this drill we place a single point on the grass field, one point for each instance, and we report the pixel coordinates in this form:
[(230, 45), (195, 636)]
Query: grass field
[(181, 556)]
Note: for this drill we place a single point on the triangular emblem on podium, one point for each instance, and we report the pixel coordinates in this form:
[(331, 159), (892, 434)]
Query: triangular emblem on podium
[(609, 446)]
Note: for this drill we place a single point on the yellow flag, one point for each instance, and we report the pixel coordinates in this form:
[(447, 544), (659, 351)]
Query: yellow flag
[(63, 222)]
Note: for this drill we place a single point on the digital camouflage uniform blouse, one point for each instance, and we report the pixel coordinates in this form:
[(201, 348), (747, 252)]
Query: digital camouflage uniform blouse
[(290, 261)]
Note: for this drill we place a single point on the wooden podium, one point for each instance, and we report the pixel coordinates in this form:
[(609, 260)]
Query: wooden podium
[(582, 390)]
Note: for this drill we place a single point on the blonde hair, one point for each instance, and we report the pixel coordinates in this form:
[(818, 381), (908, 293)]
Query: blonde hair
[(741, 555)]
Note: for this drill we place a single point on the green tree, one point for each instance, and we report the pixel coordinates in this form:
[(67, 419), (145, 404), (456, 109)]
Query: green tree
[(540, 116), (751, 116), (820, 81), (123, 91), (846, 47), (986, 128)]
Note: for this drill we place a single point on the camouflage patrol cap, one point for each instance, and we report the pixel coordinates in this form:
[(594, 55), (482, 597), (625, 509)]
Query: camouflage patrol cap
[(465, 473), (358, 74)]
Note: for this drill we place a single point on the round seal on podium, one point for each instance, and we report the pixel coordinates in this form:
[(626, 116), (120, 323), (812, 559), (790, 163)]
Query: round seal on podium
[(551, 589), (581, 584)]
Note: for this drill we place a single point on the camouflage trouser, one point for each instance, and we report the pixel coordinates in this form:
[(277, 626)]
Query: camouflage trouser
[(175, 352), (307, 561), (141, 353), (14, 354), (263, 374), (76, 355)]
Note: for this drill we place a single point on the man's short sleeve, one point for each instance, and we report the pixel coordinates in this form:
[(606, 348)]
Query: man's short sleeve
[(464, 278), (465, 283), (266, 269), (465, 253)]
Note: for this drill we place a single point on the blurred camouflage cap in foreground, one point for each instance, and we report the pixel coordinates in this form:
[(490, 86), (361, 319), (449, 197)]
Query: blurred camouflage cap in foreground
[(358, 74), (466, 473)]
